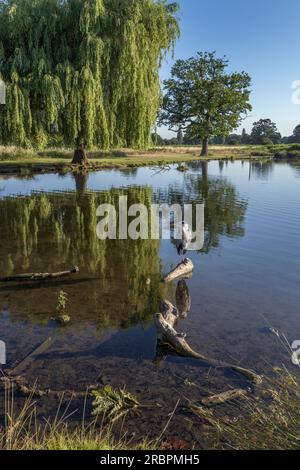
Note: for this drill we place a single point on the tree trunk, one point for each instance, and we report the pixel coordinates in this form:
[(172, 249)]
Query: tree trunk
[(81, 180), (204, 168), (80, 157), (204, 152)]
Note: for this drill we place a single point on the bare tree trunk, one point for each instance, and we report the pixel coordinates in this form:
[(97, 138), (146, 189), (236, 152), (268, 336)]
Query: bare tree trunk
[(80, 157), (204, 152)]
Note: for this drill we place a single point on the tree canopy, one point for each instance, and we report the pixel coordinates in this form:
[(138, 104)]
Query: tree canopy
[(296, 134), (265, 132), (83, 70), (203, 99)]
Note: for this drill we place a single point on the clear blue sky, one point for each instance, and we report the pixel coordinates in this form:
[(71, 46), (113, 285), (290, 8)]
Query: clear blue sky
[(261, 37)]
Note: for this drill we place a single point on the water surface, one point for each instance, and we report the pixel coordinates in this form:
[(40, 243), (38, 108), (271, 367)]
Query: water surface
[(246, 280)]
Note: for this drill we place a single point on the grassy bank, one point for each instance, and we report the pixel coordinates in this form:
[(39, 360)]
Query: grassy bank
[(267, 417), (25, 161), (22, 161)]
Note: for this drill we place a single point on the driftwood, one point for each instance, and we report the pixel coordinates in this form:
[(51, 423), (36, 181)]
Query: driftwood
[(179, 343), (224, 397), (38, 276), (21, 385), (169, 312), (176, 340), (31, 357), (184, 269)]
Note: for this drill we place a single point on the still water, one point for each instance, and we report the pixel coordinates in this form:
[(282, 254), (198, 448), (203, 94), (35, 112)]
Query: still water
[(245, 284)]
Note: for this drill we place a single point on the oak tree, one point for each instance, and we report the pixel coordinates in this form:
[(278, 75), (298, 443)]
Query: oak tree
[(203, 99)]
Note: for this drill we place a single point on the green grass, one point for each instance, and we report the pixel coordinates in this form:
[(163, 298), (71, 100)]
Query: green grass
[(21, 431), (17, 160)]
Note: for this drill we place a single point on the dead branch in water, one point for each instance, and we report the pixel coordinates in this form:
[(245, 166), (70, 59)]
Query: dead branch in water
[(38, 276), (31, 357), (178, 342), (224, 397), (184, 269), (21, 385)]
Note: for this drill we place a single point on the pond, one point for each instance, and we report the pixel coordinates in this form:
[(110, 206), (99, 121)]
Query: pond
[(245, 285)]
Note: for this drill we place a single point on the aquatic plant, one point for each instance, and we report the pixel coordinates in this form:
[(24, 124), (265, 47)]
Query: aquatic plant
[(114, 403), (61, 309), (62, 302)]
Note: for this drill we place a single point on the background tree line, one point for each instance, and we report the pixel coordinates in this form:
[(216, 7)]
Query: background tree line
[(264, 132)]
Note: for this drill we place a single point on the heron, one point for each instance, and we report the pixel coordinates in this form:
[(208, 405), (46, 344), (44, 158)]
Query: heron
[(186, 239)]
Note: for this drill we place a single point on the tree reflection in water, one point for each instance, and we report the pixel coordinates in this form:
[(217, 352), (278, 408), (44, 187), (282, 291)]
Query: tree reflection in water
[(119, 283)]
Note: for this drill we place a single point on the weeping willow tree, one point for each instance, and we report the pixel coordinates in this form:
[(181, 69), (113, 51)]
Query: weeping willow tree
[(84, 73)]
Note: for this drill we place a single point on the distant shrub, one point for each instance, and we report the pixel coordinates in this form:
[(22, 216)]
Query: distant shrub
[(261, 153), (266, 141), (294, 147), (281, 155), (15, 153), (293, 154), (284, 154), (233, 142), (119, 153)]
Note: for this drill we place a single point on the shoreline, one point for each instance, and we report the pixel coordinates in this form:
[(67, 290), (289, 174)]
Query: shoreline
[(21, 162)]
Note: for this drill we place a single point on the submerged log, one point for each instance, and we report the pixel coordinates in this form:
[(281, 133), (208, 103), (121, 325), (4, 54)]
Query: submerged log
[(179, 343), (183, 299), (16, 371), (224, 397), (21, 385), (184, 269), (29, 277)]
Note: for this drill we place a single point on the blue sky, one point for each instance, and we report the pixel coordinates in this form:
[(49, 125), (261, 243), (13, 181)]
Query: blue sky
[(261, 37)]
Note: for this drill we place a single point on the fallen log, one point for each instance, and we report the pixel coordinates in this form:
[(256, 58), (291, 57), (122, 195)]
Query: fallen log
[(29, 277), (16, 371), (179, 343), (169, 312), (224, 397), (183, 270), (176, 340)]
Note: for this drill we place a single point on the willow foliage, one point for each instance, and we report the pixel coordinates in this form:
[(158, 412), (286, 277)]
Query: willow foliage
[(83, 70)]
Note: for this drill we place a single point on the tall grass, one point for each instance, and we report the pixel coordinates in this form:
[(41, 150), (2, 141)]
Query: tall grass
[(22, 431), (267, 420), (268, 417)]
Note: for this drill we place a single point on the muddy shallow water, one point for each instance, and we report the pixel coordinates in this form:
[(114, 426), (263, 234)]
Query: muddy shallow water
[(246, 281)]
